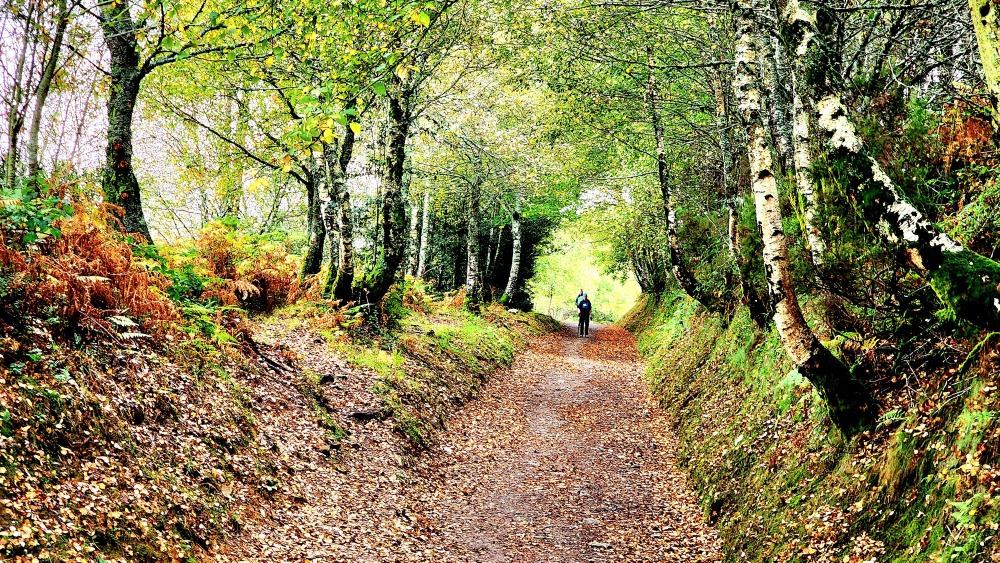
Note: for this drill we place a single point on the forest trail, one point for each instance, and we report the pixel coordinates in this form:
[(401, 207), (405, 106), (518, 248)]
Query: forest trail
[(566, 458), (563, 457)]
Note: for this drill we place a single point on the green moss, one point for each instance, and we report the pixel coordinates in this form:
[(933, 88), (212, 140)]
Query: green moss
[(966, 283), (770, 471)]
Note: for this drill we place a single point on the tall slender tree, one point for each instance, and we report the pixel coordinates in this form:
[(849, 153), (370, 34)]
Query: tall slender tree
[(425, 235), (848, 401)]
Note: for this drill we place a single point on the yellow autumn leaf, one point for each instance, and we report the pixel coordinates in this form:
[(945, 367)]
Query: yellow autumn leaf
[(258, 184), (356, 127)]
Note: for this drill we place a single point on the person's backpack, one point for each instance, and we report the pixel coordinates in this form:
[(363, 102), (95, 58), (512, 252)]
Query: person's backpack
[(585, 305)]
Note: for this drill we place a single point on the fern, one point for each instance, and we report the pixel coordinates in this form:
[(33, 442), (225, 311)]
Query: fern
[(133, 335), (122, 321)]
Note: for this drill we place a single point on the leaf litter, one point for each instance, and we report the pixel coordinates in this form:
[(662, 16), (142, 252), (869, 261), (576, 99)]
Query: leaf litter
[(563, 457)]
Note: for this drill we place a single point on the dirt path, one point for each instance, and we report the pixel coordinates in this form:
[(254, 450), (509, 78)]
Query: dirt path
[(561, 458), (565, 459)]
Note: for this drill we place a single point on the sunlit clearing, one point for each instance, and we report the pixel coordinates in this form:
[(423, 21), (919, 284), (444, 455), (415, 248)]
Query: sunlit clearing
[(574, 264)]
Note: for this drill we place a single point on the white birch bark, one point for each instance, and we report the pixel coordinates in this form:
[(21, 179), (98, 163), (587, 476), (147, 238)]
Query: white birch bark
[(846, 399), (515, 260), (472, 283), (414, 240), (425, 235), (968, 284), (775, 74), (801, 105)]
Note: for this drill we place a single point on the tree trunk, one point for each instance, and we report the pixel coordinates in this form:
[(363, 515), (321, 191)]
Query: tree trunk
[(118, 178), (231, 189), (967, 283), (515, 260), (312, 262), (496, 252), (487, 271), (987, 26), (726, 180), (472, 273), (425, 234), (776, 76), (393, 212), (414, 241), (684, 277), (15, 111), (649, 271), (799, 36), (848, 401), (339, 282), (730, 185), (44, 86)]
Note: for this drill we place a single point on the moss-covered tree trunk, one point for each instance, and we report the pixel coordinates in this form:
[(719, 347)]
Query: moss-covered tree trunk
[(777, 75), (425, 236), (648, 267), (312, 262), (339, 283), (118, 179), (393, 212), (848, 401), (967, 283), (731, 183), (799, 38), (987, 26)]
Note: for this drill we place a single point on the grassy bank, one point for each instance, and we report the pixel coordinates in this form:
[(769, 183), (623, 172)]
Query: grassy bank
[(780, 483), (434, 358)]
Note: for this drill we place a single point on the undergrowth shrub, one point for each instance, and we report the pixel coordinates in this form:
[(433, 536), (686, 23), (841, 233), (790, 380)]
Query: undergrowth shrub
[(230, 267), (81, 282), (29, 213)]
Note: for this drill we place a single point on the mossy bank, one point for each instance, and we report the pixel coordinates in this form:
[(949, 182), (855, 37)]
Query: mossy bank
[(782, 485)]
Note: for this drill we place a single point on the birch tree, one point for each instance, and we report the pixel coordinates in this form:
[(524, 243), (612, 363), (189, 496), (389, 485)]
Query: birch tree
[(414, 239), (847, 400), (425, 235), (681, 273), (967, 283), (515, 260), (339, 282), (473, 283), (800, 39)]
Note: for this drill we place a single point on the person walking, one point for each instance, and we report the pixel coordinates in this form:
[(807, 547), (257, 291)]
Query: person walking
[(585, 307), (579, 298)]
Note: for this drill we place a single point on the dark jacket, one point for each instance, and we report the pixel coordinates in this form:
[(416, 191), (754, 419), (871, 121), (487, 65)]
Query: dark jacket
[(585, 311)]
